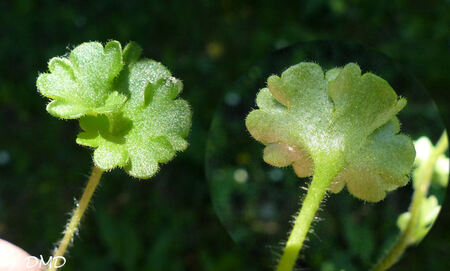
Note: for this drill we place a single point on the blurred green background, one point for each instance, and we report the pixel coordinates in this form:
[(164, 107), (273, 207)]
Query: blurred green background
[(168, 223)]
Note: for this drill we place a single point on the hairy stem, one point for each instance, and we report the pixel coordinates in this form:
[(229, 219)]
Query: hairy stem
[(322, 179), (423, 180), (80, 208)]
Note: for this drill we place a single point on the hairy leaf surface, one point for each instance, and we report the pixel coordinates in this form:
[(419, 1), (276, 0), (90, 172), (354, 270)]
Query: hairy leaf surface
[(341, 118), (127, 106)]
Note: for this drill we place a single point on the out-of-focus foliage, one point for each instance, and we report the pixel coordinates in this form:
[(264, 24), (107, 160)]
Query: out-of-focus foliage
[(428, 214), (430, 206), (424, 147), (167, 223)]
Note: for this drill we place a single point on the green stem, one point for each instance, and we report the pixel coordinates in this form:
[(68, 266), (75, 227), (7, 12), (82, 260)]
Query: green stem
[(322, 179), (72, 227), (423, 178)]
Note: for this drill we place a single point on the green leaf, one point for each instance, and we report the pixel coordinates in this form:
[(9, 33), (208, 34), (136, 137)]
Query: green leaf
[(342, 119), (83, 82), (114, 101), (66, 111), (127, 106), (150, 127), (132, 52)]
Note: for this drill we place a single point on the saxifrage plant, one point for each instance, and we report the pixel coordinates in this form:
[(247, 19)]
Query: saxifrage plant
[(341, 128), (127, 108)]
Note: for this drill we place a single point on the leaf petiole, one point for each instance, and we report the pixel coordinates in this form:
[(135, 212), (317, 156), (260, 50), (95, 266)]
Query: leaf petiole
[(324, 174), (72, 227)]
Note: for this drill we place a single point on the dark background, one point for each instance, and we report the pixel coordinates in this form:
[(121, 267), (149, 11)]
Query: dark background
[(168, 223)]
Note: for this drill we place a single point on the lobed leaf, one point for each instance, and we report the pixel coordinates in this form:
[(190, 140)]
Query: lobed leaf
[(306, 117), (151, 126), (128, 107), (82, 83)]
